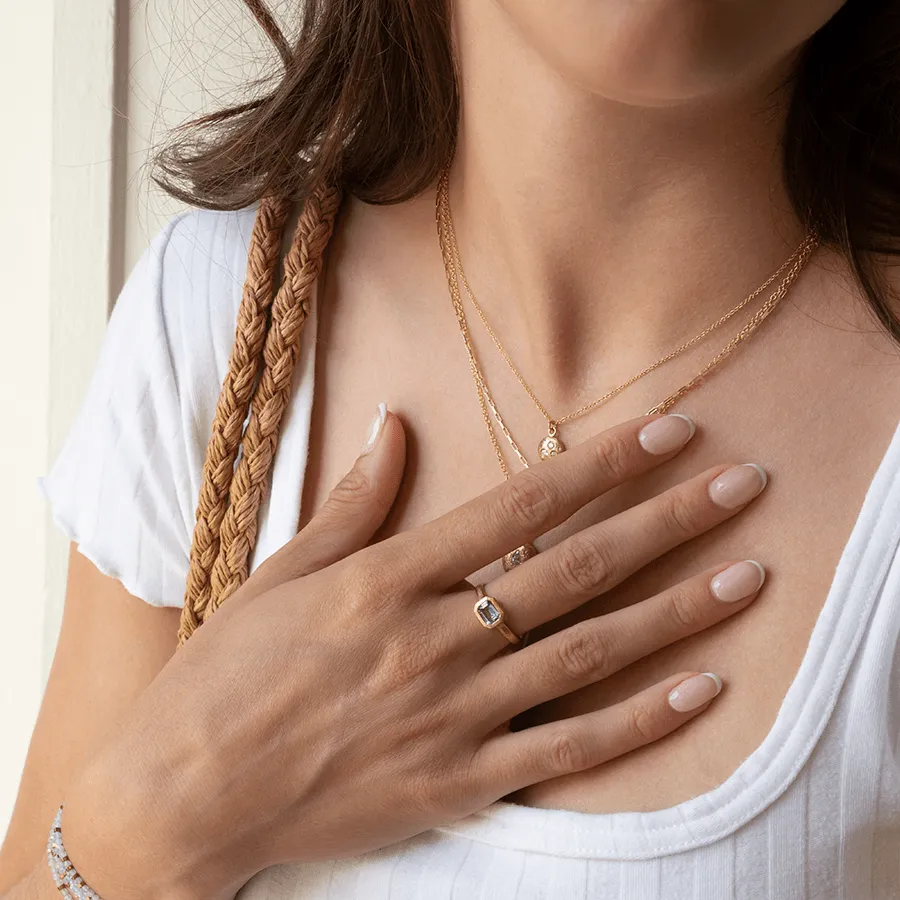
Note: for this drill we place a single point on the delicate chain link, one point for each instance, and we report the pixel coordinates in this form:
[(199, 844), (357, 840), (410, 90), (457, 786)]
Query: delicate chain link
[(444, 205), (805, 252), (453, 268), (484, 395)]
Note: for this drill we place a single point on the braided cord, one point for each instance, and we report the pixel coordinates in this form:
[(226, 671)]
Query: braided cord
[(289, 314), (232, 408)]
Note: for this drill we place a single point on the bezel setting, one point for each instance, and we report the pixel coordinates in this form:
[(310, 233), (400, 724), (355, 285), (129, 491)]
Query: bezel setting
[(489, 612)]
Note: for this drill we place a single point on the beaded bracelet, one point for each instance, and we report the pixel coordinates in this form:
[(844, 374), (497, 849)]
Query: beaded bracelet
[(69, 883)]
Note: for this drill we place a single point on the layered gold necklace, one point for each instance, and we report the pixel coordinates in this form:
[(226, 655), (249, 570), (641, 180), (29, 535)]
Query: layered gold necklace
[(552, 444)]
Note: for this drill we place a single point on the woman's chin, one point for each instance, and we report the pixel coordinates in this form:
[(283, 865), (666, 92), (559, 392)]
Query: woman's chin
[(660, 53)]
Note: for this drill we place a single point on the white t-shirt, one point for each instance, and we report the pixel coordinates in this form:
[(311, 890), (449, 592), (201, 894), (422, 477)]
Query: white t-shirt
[(812, 814)]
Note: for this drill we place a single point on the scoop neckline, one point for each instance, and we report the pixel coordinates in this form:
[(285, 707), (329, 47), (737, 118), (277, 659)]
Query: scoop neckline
[(769, 769)]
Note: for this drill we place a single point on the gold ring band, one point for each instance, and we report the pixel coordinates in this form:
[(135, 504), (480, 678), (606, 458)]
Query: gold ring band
[(491, 615)]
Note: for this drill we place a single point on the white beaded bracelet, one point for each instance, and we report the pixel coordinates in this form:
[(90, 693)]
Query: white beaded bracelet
[(68, 881)]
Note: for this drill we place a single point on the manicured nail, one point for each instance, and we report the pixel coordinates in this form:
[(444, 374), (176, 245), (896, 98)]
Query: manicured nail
[(695, 691), (738, 485), (738, 581), (667, 434), (376, 426)]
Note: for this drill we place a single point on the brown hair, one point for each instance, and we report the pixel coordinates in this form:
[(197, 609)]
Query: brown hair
[(367, 99), (368, 103)]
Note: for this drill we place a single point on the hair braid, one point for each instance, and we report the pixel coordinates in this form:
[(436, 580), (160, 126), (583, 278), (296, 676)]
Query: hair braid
[(247, 482), (289, 314), (232, 407)]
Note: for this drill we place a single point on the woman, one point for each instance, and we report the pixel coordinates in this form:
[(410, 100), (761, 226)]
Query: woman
[(621, 177)]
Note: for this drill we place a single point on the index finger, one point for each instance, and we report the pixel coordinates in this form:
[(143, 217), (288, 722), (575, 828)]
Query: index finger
[(446, 550)]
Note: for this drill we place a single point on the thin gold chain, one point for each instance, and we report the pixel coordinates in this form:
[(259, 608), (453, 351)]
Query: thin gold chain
[(443, 202), (806, 251), (587, 407), (453, 269), (484, 394)]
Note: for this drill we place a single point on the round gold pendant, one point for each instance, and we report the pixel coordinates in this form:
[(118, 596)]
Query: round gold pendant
[(518, 556), (550, 446)]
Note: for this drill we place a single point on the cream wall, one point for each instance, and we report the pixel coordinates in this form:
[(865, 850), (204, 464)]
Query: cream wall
[(184, 58), (90, 87), (26, 73)]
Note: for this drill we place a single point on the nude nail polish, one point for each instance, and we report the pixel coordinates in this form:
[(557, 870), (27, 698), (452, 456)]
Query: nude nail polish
[(738, 582), (376, 426), (667, 434), (695, 691), (737, 485)]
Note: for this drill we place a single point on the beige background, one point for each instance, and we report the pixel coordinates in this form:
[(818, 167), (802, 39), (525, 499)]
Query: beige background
[(89, 87)]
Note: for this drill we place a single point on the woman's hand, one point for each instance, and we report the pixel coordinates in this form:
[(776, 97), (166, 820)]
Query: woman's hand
[(347, 696)]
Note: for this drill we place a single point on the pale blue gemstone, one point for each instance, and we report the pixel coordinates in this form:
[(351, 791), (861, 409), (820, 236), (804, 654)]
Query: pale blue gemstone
[(488, 612)]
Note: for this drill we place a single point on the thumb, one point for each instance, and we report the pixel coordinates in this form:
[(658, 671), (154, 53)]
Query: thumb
[(351, 515), (359, 503)]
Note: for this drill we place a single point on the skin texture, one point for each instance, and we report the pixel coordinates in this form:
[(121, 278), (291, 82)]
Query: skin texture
[(599, 235), (387, 632), (607, 209)]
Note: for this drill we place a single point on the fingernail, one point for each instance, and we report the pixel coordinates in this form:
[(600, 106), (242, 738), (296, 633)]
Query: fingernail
[(695, 691), (738, 581), (376, 426), (669, 433), (738, 485)]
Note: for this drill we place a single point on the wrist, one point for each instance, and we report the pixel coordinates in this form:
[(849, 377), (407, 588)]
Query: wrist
[(131, 833), (37, 885), (116, 858)]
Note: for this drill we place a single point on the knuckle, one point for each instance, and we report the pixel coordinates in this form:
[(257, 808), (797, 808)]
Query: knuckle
[(404, 662), (584, 655), (685, 610), (615, 455), (441, 791), (585, 564), (641, 724), (398, 665), (457, 785), (354, 487), (370, 587), (528, 500), (567, 752), (679, 515), (422, 792)]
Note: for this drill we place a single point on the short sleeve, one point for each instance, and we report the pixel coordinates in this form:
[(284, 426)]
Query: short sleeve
[(124, 486)]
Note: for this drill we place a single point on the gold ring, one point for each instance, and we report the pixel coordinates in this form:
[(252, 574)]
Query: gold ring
[(491, 615)]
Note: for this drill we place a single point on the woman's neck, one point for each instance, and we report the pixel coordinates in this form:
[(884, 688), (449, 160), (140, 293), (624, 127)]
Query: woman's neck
[(593, 230)]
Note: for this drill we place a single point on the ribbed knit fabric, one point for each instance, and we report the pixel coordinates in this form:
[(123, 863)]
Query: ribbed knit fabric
[(812, 814)]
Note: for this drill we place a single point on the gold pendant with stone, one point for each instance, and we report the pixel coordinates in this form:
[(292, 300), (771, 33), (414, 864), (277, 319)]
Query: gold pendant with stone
[(518, 556), (551, 445)]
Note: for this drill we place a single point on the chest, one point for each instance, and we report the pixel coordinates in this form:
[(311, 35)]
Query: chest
[(813, 431)]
